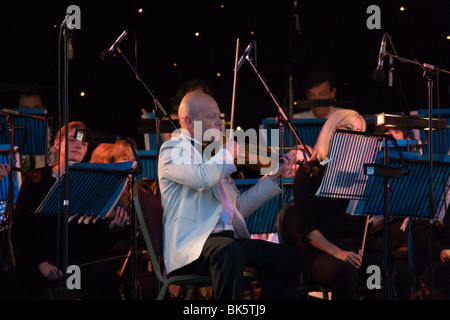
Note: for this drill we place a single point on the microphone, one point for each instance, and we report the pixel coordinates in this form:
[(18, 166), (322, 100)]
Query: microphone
[(66, 19), (106, 55), (391, 69), (95, 137), (378, 74), (246, 52), (295, 16)]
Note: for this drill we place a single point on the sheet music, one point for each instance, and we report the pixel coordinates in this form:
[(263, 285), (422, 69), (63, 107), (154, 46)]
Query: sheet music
[(94, 190), (344, 176)]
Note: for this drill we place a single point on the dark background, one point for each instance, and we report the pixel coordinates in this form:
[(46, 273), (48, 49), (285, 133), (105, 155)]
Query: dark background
[(333, 35)]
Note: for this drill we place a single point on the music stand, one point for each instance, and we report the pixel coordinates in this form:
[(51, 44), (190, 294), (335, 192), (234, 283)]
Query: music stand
[(94, 190), (346, 176), (153, 126), (17, 178), (30, 130), (10, 119), (409, 195)]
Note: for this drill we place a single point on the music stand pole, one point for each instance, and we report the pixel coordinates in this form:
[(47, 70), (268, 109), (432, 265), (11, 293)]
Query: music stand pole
[(387, 243), (430, 170), (427, 69), (10, 214)]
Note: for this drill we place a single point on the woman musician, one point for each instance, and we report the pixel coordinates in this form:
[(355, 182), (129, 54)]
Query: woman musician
[(332, 237)]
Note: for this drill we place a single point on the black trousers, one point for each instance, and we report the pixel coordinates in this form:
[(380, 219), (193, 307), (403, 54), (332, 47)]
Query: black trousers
[(24, 282), (344, 279), (441, 279), (225, 258)]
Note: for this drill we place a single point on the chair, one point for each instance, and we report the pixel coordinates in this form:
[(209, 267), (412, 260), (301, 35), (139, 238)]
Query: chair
[(149, 214), (288, 235)]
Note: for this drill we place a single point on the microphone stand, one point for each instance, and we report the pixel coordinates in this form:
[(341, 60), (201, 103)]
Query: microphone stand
[(428, 68), (147, 87), (65, 95), (283, 120), (160, 108), (283, 116)]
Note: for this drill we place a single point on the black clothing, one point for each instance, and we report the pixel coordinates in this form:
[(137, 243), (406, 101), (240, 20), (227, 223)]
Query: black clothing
[(324, 214), (37, 238), (328, 215), (421, 247), (225, 258)]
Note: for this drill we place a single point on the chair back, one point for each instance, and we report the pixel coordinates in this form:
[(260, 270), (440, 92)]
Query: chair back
[(287, 228), (149, 213)]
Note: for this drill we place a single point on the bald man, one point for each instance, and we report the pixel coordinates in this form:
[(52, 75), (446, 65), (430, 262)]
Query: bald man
[(204, 226)]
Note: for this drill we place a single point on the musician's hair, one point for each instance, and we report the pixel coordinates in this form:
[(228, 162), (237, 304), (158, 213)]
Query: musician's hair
[(318, 77), (61, 134), (110, 152), (339, 118)]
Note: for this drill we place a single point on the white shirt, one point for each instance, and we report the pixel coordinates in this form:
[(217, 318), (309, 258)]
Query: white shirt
[(226, 215), (309, 114)]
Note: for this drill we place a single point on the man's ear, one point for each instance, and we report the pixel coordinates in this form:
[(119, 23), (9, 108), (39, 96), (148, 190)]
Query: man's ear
[(188, 122)]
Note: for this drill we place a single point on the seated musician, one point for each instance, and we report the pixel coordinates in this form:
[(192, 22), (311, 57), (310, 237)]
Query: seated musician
[(204, 226), (38, 239), (319, 86), (332, 237), (441, 254), (120, 151)]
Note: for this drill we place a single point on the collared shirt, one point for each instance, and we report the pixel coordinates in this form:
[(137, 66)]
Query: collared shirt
[(226, 216)]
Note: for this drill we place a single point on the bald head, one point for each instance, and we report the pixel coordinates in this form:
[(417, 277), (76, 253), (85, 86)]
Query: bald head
[(199, 106), (193, 104)]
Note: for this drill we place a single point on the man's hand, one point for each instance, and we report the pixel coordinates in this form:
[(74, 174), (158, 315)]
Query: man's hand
[(287, 161)]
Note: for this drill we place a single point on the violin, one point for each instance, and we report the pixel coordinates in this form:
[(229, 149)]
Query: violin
[(249, 155)]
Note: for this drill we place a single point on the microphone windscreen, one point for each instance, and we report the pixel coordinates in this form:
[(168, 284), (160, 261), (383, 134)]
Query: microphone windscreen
[(378, 75)]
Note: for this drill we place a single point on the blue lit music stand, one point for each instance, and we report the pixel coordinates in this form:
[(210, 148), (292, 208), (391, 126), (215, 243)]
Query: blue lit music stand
[(94, 190), (264, 219), (30, 133), (4, 183), (409, 195)]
